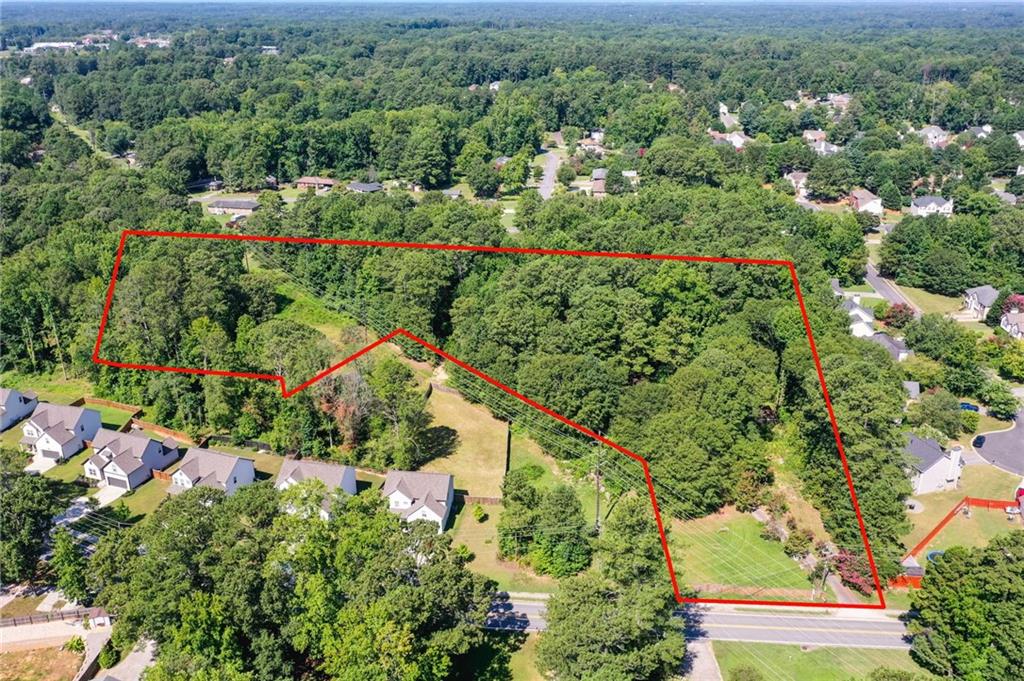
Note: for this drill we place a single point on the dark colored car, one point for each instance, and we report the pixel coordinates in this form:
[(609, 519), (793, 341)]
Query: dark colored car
[(978, 442), (967, 406)]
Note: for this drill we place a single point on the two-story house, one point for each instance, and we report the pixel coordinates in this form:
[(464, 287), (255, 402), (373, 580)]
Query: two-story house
[(420, 496), (1012, 322), (862, 320), (15, 406), (923, 206), (334, 476), (980, 299), (210, 468), (863, 201), (58, 432), (127, 459)]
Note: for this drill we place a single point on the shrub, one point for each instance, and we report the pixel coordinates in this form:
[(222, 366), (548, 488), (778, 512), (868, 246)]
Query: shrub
[(75, 645), (799, 543), (532, 471), (969, 421), (479, 514), (109, 656)]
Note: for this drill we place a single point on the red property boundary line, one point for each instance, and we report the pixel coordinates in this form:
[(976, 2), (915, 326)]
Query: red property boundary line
[(285, 392), (968, 502)]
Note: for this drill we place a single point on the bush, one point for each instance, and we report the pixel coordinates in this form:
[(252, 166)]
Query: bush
[(799, 543), (745, 674), (75, 645), (109, 656), (479, 514), (532, 472), (969, 421)]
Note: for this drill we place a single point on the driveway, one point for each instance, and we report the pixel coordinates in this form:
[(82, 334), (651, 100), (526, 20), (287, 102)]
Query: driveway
[(547, 182), (887, 289), (40, 464), (108, 494), (1005, 448)]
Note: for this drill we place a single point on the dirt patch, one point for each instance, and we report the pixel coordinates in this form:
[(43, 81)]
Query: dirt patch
[(42, 664)]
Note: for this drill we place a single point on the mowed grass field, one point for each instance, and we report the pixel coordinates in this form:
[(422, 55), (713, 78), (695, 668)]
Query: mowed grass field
[(482, 540), (726, 549), (41, 664), (815, 664)]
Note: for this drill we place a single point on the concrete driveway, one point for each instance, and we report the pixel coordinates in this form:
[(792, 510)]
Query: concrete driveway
[(40, 464), (1005, 448), (108, 494), (547, 182)]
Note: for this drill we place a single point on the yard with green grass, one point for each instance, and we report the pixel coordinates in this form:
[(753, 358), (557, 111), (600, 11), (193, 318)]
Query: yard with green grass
[(267, 465), (21, 606), (113, 418), (726, 550), (815, 664), (482, 540), (478, 460), (983, 525), (931, 302), (71, 469), (50, 387), (977, 480)]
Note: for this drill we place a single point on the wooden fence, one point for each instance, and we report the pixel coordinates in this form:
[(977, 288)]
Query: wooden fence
[(470, 499), (54, 616), (162, 475), (182, 438)]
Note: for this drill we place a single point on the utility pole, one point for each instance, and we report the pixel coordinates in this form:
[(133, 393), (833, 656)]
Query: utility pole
[(508, 446), (597, 490)]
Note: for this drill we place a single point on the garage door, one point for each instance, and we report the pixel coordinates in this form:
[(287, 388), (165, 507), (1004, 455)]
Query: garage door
[(117, 482), (49, 454)]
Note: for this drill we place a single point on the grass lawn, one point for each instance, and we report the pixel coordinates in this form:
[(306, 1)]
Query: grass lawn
[(727, 549), (817, 664), (523, 664), (51, 387), (146, 497), (978, 480), (931, 302), (21, 606), (478, 461), (874, 252), (482, 540), (70, 469), (112, 417), (898, 599), (267, 465), (983, 525), (861, 288), (9, 438), (40, 664)]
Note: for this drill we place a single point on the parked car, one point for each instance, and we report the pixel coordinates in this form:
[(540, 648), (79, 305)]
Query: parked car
[(967, 406), (978, 442)]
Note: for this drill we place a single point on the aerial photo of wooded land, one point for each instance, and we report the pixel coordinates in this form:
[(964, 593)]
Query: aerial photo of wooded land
[(512, 341)]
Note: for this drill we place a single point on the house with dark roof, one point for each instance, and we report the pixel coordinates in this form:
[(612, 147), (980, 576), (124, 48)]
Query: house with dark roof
[(233, 206), (896, 348), (980, 299), (863, 201), (210, 468), (1012, 322), (923, 206), (862, 320), (15, 406), (365, 187), (333, 476), (127, 460), (58, 432), (420, 496), (932, 468)]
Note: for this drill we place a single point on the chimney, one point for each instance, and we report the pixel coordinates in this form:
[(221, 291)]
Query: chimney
[(955, 458)]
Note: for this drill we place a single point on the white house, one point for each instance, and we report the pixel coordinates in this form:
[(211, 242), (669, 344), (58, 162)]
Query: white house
[(934, 136), (1012, 322), (799, 182), (494, 85), (210, 468), (420, 496), (932, 468), (923, 206), (55, 431), (15, 406), (864, 201), (334, 477), (127, 459), (862, 320), (737, 138), (823, 148), (980, 299)]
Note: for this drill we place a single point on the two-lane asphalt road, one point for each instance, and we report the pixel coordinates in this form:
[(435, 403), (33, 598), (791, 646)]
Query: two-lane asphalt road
[(887, 290), (836, 628)]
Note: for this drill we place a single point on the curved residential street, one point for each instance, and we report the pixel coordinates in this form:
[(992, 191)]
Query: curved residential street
[(887, 289), (547, 182), (1005, 448)]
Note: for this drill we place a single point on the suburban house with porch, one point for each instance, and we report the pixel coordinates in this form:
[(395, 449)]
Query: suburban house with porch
[(980, 299), (420, 496), (862, 320), (127, 460), (1012, 322), (932, 468), (210, 468), (334, 476), (923, 206), (896, 348), (15, 406), (58, 432)]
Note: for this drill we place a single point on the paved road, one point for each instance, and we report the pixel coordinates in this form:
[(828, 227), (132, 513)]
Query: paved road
[(1006, 448), (547, 182), (818, 630), (887, 290), (863, 629)]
